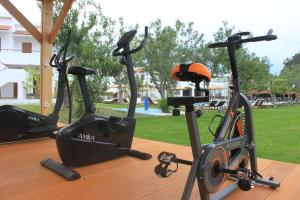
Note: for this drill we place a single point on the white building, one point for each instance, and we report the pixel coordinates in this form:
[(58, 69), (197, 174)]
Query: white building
[(18, 50), (218, 88)]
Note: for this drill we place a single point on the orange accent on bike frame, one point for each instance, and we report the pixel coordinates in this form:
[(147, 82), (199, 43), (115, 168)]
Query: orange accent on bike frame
[(240, 127)]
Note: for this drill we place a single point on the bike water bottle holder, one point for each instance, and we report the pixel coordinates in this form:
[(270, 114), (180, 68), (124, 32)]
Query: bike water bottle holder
[(211, 122)]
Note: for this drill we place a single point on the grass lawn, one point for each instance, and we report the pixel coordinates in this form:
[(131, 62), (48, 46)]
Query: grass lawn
[(277, 130)]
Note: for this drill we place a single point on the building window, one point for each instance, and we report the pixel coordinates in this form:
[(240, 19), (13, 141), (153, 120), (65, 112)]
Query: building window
[(26, 47), (187, 92)]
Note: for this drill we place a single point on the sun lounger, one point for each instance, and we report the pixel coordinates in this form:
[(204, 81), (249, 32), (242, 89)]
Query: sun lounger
[(114, 100), (152, 101)]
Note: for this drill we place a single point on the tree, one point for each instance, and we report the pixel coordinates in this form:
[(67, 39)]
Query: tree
[(140, 82), (79, 35), (218, 57), (116, 70), (290, 63), (32, 82), (190, 46), (92, 41), (279, 85), (253, 71), (160, 56), (292, 75), (291, 72), (167, 46)]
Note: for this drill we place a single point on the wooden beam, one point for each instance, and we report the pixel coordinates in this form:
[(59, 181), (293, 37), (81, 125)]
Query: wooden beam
[(22, 19), (60, 20), (46, 53)]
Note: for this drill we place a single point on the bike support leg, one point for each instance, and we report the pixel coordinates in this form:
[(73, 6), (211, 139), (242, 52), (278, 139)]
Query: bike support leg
[(191, 180), (197, 153)]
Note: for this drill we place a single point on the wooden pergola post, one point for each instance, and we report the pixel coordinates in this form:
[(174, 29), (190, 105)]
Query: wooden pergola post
[(45, 37), (46, 53)]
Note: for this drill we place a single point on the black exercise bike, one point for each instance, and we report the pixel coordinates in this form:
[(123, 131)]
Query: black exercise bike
[(95, 138), (233, 145), (17, 124)]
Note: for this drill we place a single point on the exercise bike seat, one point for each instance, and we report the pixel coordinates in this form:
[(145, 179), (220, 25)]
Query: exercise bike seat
[(194, 72), (81, 71)]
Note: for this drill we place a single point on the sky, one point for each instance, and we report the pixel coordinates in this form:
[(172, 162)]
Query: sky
[(256, 16)]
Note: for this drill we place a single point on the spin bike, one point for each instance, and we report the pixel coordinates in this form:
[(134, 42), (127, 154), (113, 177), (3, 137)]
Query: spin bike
[(17, 124), (233, 145), (95, 138)]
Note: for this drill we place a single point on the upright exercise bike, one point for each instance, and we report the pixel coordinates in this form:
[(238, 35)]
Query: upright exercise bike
[(94, 138), (17, 124), (233, 146)]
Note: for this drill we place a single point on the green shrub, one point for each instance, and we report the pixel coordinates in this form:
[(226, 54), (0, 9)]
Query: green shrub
[(163, 105)]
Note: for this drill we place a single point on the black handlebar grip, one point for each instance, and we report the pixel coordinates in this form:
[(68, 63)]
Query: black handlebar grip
[(260, 38), (217, 45), (271, 37)]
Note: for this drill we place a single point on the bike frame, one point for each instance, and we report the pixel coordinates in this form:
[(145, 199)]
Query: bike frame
[(245, 142)]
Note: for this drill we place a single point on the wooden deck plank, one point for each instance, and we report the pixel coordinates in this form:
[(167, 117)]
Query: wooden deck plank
[(289, 188), (123, 178), (174, 191), (32, 165), (276, 169)]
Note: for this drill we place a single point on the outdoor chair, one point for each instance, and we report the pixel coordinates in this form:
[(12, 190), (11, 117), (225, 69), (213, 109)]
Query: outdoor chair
[(261, 104), (257, 101), (114, 100), (152, 101), (212, 104), (220, 106)]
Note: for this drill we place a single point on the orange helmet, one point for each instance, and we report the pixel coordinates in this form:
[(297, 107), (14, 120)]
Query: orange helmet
[(194, 72)]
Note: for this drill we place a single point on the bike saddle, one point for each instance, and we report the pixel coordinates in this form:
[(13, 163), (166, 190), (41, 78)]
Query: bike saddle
[(194, 72), (81, 71)]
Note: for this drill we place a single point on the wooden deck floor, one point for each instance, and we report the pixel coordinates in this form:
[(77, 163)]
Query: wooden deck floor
[(22, 177)]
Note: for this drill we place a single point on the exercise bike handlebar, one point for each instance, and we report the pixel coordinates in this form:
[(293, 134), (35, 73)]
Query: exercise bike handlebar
[(58, 56), (61, 64), (238, 40), (55, 60), (126, 38), (260, 38), (66, 60), (143, 42)]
